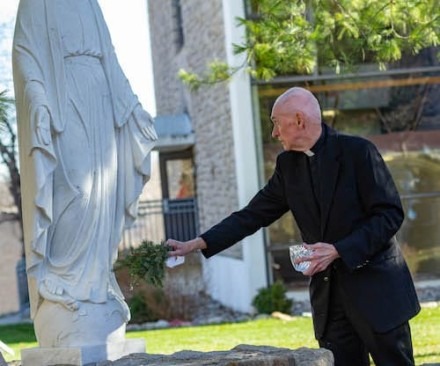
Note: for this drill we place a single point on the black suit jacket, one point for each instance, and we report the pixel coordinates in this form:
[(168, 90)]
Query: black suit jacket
[(360, 215)]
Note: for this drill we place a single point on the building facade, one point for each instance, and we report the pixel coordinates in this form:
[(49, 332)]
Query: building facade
[(186, 34), (233, 152), (11, 247)]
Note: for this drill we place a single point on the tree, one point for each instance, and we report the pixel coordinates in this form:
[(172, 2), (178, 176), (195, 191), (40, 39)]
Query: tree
[(8, 155), (306, 36), (8, 151)]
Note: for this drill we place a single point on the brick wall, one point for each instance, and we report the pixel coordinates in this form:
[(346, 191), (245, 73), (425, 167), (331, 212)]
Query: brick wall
[(10, 249), (208, 108)]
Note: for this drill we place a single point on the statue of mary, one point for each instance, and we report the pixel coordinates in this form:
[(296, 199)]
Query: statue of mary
[(84, 145)]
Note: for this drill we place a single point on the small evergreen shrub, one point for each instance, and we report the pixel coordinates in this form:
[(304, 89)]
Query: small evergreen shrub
[(146, 262), (272, 298)]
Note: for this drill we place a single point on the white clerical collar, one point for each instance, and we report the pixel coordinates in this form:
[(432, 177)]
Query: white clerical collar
[(309, 153)]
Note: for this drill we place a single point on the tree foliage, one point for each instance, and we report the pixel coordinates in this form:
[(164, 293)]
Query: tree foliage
[(306, 36), (8, 149)]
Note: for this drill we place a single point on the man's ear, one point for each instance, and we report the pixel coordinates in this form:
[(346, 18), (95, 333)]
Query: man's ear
[(300, 120)]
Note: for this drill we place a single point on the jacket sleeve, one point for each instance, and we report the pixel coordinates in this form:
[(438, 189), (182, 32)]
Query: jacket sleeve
[(265, 207), (382, 207)]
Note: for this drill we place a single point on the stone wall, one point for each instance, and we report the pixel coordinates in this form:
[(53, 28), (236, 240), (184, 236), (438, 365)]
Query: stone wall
[(10, 249), (168, 91), (208, 108), (242, 355)]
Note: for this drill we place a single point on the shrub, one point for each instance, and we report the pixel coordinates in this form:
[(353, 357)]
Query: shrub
[(146, 262), (272, 298), (177, 296), (140, 312)]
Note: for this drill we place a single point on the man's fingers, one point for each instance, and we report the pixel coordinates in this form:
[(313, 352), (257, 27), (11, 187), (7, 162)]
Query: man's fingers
[(175, 252), (172, 243)]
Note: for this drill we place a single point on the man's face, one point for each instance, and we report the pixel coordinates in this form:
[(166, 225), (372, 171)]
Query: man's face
[(286, 128)]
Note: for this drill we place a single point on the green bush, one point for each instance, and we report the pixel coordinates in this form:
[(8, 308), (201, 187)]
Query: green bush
[(146, 262), (139, 309), (272, 298), (148, 304)]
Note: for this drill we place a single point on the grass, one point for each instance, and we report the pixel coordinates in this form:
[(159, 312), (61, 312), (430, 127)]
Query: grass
[(273, 332)]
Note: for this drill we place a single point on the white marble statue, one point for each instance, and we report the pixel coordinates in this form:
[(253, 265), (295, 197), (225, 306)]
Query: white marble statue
[(85, 145)]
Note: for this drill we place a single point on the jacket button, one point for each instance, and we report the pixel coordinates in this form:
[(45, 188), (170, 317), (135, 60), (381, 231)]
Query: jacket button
[(326, 279)]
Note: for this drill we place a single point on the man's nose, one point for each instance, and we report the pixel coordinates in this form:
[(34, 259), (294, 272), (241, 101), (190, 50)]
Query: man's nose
[(274, 132)]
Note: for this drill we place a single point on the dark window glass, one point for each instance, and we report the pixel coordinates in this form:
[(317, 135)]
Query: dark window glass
[(396, 109), (178, 24)]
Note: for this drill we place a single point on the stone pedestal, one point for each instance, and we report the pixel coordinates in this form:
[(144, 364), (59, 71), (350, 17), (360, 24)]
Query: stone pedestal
[(88, 334), (80, 356), (103, 323)]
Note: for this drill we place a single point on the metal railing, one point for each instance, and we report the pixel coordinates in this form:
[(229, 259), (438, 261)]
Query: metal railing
[(159, 220)]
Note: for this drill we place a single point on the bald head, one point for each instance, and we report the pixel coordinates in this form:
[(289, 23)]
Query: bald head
[(296, 117), (300, 99)]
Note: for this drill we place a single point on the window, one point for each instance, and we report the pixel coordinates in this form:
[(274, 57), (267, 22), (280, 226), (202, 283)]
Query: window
[(178, 24), (398, 110)]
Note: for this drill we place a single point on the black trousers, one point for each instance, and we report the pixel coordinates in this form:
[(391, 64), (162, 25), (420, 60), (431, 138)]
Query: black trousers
[(352, 340)]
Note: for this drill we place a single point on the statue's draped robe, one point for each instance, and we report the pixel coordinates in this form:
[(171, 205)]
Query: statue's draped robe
[(80, 187)]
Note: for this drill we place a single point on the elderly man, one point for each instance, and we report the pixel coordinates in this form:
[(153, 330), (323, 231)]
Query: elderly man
[(347, 207)]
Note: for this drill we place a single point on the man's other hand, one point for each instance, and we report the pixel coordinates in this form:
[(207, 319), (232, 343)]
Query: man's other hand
[(323, 255)]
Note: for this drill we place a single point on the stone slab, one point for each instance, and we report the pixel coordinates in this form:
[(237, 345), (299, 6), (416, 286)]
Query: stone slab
[(242, 355), (81, 356)]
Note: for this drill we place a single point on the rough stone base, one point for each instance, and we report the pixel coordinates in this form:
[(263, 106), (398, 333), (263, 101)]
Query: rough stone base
[(242, 355), (79, 356)]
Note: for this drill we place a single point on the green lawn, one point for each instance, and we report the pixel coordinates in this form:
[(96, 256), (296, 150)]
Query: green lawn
[(273, 332)]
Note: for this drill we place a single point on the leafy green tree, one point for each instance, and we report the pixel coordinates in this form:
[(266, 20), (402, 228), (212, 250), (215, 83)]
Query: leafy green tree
[(8, 150), (8, 156), (306, 36)]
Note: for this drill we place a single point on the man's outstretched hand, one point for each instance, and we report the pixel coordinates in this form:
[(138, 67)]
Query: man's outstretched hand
[(182, 248)]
